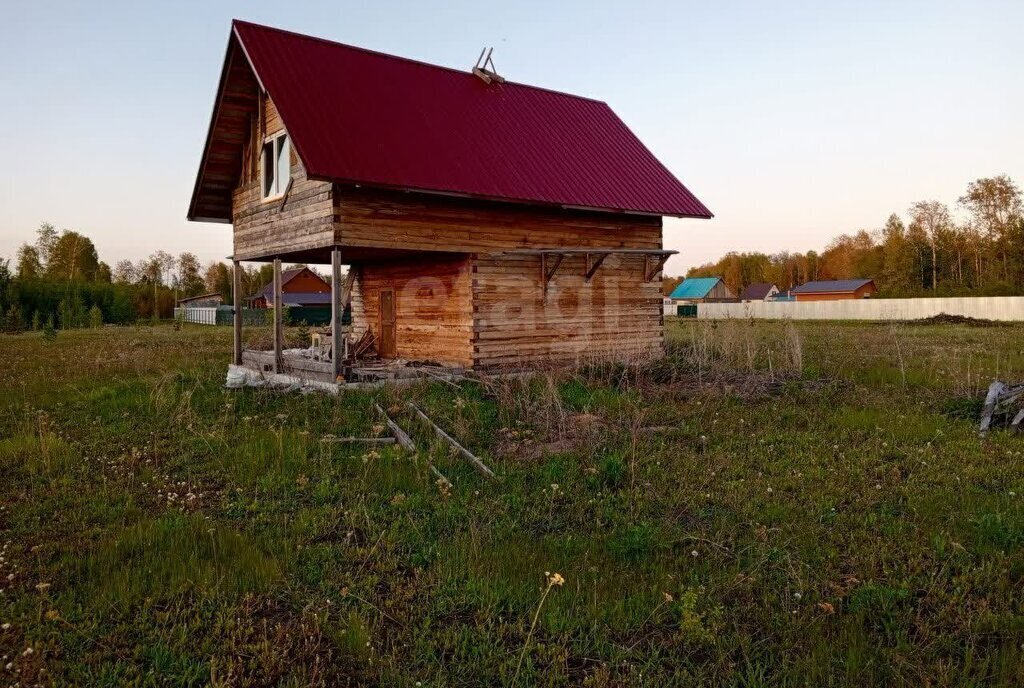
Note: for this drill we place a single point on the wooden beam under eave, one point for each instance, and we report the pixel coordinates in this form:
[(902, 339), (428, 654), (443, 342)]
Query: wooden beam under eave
[(337, 309), (236, 293), (651, 271), (278, 320)]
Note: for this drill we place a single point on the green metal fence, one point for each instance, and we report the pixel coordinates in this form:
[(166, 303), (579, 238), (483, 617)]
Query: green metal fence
[(257, 317), (250, 316), (686, 310), (315, 315)]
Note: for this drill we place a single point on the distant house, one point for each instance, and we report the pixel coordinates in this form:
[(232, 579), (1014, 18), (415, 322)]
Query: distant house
[(702, 290), (759, 291), (299, 287), (201, 301), (835, 290), (783, 296)]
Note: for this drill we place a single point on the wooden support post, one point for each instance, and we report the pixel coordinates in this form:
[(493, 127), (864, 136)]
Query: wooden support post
[(337, 309), (236, 292), (400, 435), (278, 320), (468, 455), (404, 441)]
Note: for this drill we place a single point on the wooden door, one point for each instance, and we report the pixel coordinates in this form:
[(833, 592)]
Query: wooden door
[(388, 345)]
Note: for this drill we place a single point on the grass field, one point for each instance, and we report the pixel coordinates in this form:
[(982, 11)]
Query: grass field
[(770, 505)]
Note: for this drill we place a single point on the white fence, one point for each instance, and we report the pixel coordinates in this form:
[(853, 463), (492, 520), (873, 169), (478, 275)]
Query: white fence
[(984, 307), (204, 315)]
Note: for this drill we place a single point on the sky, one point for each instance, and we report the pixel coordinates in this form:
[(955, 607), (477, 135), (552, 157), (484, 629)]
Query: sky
[(792, 121)]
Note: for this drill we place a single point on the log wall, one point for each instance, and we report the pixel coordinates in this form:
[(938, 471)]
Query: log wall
[(617, 315), (432, 305), (265, 228), (300, 221), (382, 219), (508, 318), (464, 301)]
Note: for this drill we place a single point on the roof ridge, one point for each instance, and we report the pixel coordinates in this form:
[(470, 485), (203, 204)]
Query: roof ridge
[(413, 60)]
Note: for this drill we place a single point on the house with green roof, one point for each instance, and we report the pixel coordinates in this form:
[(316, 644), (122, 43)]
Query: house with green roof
[(702, 290)]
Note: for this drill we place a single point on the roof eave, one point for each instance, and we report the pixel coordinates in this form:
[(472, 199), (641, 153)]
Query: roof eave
[(319, 176), (191, 215)]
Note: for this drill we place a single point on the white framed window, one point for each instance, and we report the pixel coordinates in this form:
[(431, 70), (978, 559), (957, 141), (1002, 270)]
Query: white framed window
[(276, 166)]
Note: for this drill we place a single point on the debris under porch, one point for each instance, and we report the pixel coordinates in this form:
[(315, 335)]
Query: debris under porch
[(305, 364)]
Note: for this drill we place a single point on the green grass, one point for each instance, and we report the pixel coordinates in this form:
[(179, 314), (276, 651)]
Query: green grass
[(770, 505)]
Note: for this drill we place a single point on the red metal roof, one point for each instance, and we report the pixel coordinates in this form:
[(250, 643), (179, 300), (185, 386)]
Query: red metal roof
[(364, 117)]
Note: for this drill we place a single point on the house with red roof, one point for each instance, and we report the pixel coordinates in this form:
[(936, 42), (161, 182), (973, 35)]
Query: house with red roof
[(485, 223), (835, 290), (300, 286)]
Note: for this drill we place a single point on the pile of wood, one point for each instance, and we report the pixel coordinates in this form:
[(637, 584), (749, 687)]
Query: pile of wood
[(1003, 400), (365, 347)]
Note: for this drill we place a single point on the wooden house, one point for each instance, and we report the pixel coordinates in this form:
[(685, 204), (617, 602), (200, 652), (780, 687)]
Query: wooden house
[(702, 290), (299, 287), (834, 290), (211, 300), (759, 291), (486, 223)]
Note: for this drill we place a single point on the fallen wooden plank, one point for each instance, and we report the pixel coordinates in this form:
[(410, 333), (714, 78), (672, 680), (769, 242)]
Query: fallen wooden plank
[(435, 376), (440, 476), (368, 440), (1016, 423), (470, 456), (401, 436), (404, 441), (1009, 395), (994, 390)]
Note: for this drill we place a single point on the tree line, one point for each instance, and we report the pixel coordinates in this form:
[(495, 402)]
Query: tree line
[(977, 250), (58, 281)]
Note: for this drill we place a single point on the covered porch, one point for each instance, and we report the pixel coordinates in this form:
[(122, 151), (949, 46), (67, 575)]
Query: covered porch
[(338, 352)]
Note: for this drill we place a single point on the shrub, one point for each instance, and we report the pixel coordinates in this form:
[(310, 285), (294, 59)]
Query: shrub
[(49, 331), (13, 321), (95, 316), (302, 332)]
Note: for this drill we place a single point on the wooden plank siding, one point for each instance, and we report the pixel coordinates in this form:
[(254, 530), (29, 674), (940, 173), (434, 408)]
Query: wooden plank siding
[(301, 221), (272, 123), (264, 228), (720, 292)]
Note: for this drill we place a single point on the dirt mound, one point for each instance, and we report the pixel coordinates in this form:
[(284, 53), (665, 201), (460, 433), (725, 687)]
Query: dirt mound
[(947, 319)]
